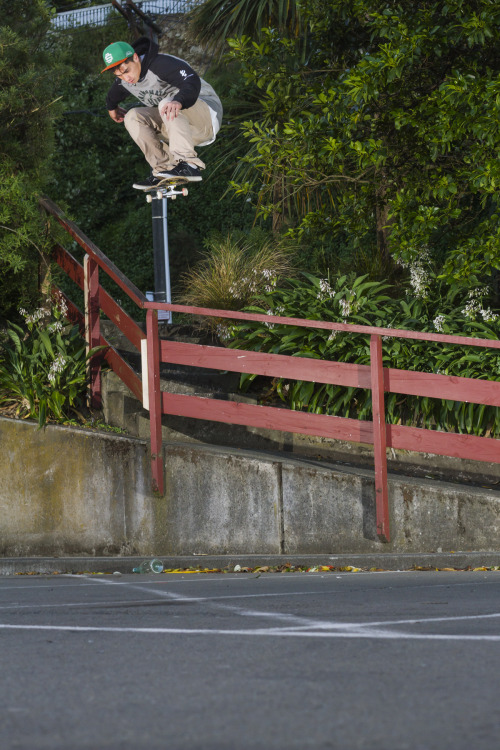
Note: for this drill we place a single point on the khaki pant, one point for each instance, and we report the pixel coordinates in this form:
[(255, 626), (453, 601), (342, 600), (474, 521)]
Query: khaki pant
[(165, 143)]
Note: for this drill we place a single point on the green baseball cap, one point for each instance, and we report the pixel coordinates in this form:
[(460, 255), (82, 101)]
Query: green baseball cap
[(116, 53)]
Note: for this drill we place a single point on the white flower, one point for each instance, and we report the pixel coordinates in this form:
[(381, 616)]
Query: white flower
[(473, 306), (419, 279), (225, 331), (332, 336), (345, 308), (471, 309), (475, 293), (34, 317), (438, 323), (61, 304), (488, 315), (268, 274), (270, 325), (55, 327), (325, 290), (387, 338), (57, 366)]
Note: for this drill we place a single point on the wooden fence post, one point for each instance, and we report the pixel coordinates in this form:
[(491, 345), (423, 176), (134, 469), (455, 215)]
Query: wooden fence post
[(379, 439), (92, 328), (155, 406)]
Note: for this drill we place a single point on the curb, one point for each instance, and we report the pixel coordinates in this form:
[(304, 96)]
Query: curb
[(226, 563)]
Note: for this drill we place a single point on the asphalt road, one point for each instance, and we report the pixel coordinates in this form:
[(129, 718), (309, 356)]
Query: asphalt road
[(375, 661)]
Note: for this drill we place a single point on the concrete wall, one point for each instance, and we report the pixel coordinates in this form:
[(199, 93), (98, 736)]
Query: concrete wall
[(66, 491)]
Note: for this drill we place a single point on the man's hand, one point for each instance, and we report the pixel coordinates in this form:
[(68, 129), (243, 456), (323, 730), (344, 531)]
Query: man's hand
[(170, 110), (117, 114)]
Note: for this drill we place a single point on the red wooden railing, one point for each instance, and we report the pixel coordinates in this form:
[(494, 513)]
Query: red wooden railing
[(376, 377)]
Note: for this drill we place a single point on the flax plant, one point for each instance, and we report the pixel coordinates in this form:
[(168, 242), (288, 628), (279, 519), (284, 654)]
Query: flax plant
[(233, 273)]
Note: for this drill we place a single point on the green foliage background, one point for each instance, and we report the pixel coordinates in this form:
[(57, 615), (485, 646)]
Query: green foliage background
[(357, 300), (378, 135), (30, 72), (365, 131)]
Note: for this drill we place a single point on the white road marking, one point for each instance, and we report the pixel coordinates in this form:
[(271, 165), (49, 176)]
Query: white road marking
[(425, 620), (301, 623), (289, 618), (266, 632), (290, 625)]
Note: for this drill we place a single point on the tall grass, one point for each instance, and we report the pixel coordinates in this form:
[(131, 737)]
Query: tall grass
[(234, 272)]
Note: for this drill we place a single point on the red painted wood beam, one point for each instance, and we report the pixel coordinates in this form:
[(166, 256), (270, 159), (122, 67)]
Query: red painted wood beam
[(263, 363)]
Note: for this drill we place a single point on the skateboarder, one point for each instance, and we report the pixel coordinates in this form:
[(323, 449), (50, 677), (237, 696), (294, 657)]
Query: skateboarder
[(180, 110)]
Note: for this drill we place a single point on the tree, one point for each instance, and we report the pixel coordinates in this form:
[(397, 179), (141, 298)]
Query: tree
[(29, 72), (213, 21), (388, 135)]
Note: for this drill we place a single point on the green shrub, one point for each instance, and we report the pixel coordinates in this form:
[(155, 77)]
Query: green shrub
[(30, 74), (43, 365), (345, 299)]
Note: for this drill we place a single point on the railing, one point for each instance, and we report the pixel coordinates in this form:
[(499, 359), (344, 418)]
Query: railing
[(97, 15), (375, 377)]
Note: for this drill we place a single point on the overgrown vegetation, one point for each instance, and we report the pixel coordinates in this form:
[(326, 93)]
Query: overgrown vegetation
[(30, 72), (214, 21), (383, 142), (355, 299), (43, 366), (361, 135)]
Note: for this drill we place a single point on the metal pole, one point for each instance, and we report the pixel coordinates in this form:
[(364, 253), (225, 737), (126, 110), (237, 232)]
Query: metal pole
[(162, 291)]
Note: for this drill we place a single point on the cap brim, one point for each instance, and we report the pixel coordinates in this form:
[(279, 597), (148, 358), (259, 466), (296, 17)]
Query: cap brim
[(115, 64)]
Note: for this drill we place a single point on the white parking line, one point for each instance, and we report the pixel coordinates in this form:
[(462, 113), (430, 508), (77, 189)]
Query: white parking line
[(286, 624), (260, 632), (305, 623), (145, 601)]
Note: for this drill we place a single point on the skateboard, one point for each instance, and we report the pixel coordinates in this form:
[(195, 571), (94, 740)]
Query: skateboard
[(166, 188)]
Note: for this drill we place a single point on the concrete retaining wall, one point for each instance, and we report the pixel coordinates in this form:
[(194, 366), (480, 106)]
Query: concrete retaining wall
[(66, 491)]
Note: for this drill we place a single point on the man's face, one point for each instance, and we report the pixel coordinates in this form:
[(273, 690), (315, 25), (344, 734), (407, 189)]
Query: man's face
[(130, 70)]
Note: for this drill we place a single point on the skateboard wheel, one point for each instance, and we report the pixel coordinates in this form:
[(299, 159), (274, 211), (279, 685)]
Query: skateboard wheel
[(159, 194), (184, 191), (173, 197), (149, 198)]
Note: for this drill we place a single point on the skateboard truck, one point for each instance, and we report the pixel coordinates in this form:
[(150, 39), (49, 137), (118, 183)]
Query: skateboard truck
[(166, 192), (166, 188)]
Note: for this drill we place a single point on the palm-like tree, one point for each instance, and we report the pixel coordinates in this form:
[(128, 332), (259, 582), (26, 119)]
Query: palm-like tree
[(213, 21)]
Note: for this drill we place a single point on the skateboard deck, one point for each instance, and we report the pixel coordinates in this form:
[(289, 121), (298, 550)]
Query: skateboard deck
[(166, 182), (165, 188)]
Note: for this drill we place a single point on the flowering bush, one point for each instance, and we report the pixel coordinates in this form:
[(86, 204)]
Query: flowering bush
[(357, 300), (43, 365)]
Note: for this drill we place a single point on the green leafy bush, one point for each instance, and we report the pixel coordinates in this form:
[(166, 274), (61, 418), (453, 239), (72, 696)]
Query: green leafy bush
[(30, 73), (385, 135), (432, 308), (43, 366)]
